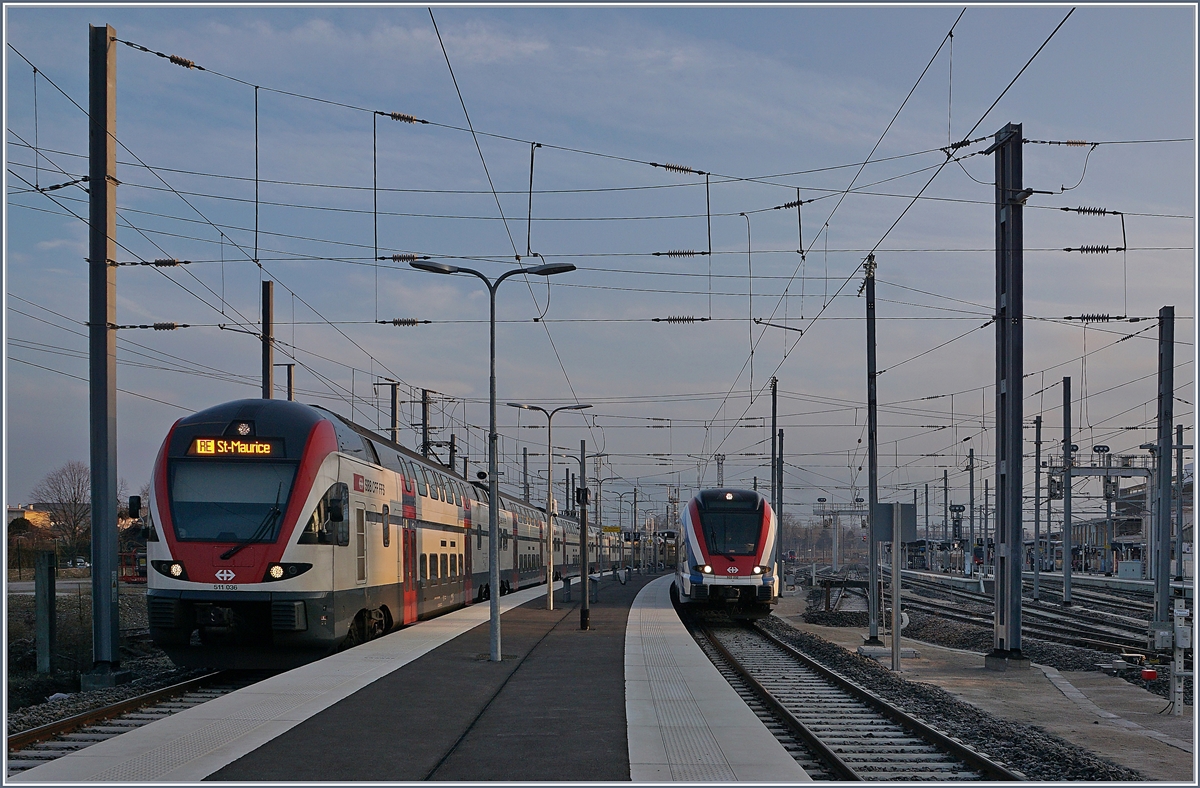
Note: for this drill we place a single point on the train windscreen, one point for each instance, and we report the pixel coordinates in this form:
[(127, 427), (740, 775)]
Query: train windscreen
[(229, 502), (731, 531)]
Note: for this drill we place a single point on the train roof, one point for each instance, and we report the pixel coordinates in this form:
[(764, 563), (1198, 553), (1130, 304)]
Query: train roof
[(293, 421)]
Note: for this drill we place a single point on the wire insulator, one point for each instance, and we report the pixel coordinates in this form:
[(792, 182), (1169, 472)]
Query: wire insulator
[(167, 326), (1077, 143), (1093, 317), (403, 321), (1088, 211), (405, 118), (402, 258), (165, 262), (792, 204), (679, 168), (679, 319), (181, 61), (679, 253), (1103, 249)]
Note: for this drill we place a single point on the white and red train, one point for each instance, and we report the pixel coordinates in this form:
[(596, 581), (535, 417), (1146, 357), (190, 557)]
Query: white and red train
[(281, 532), (727, 553)]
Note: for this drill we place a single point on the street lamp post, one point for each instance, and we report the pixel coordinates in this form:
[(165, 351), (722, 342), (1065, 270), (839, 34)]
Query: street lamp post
[(549, 493), (493, 487)]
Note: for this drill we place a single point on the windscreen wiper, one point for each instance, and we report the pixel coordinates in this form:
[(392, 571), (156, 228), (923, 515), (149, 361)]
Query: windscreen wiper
[(267, 522)]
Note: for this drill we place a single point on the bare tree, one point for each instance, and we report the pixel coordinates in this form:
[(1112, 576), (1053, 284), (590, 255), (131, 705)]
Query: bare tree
[(66, 493)]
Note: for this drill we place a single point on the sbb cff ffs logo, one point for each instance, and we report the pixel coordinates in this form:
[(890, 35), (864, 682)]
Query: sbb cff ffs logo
[(364, 485)]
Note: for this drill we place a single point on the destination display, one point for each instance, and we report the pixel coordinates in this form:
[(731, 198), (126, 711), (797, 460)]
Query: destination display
[(236, 447)]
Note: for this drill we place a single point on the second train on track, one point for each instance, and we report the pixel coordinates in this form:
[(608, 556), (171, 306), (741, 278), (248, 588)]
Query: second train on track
[(727, 557)]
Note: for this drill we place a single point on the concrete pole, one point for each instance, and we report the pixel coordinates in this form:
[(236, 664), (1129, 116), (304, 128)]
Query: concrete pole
[(927, 526), (971, 507), (585, 613), (1037, 506), (1179, 447), (493, 482), (872, 462), (425, 423), (550, 515), (102, 352), (945, 505), (987, 508), (779, 515), (44, 610), (1106, 564), (774, 444), (268, 339), (1066, 487), (897, 549), (1166, 418)]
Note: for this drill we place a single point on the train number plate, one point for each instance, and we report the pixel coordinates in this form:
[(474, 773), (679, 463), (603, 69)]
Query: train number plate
[(224, 587)]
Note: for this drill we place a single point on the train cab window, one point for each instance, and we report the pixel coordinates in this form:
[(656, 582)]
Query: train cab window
[(330, 510), (387, 525), (424, 566), (731, 527), (445, 565), (453, 565)]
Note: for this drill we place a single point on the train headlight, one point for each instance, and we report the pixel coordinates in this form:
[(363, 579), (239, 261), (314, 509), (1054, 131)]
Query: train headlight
[(706, 569), (172, 569), (758, 570), (284, 571)]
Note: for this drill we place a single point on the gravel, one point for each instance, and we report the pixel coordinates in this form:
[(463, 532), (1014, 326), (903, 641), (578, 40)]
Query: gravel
[(1029, 749), (29, 691)]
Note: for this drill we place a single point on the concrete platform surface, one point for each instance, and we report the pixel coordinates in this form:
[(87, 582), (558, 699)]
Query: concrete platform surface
[(1102, 713), (686, 724), (632, 696), (193, 744)]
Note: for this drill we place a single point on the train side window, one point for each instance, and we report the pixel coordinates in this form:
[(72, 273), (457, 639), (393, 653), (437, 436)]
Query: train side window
[(427, 486), (453, 565), (441, 483), (360, 544), (462, 565), (418, 478), (433, 566), (424, 567), (387, 525), (445, 565)]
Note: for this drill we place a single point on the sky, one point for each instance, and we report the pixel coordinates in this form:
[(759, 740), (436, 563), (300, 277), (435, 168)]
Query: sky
[(773, 104)]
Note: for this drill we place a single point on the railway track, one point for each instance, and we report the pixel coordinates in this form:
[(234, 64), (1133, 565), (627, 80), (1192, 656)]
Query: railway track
[(1074, 626), (836, 729), (45, 743)]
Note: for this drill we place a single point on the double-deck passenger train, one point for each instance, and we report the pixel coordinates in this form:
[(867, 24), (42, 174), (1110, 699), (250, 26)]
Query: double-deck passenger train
[(281, 532), (727, 558)]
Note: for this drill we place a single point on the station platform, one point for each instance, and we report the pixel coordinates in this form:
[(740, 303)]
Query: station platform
[(632, 698), (1105, 714)]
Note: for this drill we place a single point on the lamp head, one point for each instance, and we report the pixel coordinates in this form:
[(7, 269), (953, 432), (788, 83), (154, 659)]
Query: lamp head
[(550, 269), (434, 268)]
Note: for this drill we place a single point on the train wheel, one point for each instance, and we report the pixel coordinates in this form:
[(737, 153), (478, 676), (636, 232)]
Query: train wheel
[(357, 633)]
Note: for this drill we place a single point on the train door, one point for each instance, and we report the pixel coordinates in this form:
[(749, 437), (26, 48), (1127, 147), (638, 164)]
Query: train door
[(360, 545), (408, 558), (516, 567)]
